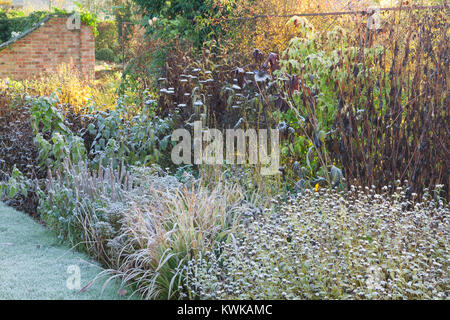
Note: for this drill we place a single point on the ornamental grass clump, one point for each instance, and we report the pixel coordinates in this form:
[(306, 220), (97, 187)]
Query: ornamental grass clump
[(164, 229), (331, 245)]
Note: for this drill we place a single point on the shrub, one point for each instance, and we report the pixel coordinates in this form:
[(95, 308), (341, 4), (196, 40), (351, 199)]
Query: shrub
[(72, 89), (107, 37), (135, 136), (18, 153), (37, 133), (183, 20), (17, 148), (4, 27), (188, 9), (16, 184), (17, 22), (331, 245), (105, 54)]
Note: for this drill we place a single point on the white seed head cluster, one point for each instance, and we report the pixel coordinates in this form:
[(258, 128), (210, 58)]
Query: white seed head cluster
[(331, 245)]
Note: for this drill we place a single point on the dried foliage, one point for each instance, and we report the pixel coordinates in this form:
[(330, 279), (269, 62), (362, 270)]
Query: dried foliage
[(393, 109), (192, 87)]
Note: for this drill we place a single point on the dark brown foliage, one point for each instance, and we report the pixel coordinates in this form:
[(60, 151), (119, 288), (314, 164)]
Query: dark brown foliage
[(17, 149), (395, 126)]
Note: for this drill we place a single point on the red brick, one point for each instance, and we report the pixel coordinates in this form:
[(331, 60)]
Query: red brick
[(47, 47)]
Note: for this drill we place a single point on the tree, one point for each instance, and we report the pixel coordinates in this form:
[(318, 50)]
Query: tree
[(171, 9)]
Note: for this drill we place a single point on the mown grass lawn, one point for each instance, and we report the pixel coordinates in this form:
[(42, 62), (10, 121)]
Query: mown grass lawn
[(33, 265)]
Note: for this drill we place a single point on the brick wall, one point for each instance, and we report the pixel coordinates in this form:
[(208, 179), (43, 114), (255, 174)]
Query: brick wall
[(47, 47)]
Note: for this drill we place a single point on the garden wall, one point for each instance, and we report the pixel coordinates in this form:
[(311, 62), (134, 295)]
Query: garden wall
[(43, 48)]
